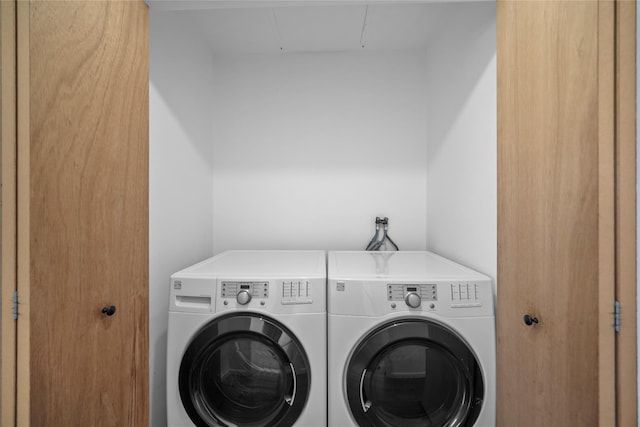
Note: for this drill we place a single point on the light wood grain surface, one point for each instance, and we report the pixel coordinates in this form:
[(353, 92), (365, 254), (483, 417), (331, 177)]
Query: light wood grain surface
[(8, 210), (86, 235), (626, 251), (551, 219)]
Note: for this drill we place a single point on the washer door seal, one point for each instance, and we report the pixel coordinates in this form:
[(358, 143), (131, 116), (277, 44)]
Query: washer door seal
[(246, 370), (414, 372)]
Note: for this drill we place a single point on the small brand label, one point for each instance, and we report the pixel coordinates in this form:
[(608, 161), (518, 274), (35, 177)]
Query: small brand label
[(177, 284), (340, 286)]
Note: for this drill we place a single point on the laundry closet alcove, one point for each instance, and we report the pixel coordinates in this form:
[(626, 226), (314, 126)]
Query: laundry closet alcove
[(501, 135), (280, 126)]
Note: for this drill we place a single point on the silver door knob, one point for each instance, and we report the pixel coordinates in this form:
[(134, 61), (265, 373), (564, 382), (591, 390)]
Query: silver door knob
[(413, 300), (243, 297)]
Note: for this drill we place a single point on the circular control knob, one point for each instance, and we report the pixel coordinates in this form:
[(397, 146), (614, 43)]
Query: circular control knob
[(413, 300), (243, 297)]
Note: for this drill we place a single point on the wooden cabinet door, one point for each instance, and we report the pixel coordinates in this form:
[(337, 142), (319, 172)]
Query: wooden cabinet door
[(82, 213), (556, 216)]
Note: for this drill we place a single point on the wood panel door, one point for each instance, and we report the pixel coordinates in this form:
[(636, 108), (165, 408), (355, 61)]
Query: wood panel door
[(82, 213), (558, 126)]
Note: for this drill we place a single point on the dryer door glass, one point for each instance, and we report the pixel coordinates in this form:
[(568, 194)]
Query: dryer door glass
[(414, 373), (245, 370)]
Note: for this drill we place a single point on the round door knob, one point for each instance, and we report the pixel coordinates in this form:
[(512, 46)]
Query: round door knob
[(413, 300), (109, 310), (243, 297), (530, 320)]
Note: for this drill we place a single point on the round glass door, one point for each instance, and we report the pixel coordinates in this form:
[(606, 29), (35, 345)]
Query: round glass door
[(244, 370), (414, 373)]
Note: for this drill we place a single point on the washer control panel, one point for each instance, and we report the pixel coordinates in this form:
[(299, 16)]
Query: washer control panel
[(245, 291), (399, 292)]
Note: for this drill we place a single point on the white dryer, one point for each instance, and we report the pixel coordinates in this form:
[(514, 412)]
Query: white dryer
[(246, 341), (411, 341)]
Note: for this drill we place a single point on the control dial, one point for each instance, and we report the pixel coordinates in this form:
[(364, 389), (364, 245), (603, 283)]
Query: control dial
[(243, 297), (413, 300)]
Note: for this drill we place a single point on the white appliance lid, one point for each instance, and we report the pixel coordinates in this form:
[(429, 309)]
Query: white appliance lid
[(261, 264), (419, 265)]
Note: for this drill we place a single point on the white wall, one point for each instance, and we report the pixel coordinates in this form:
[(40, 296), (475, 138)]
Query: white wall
[(462, 134), (180, 158), (310, 148)]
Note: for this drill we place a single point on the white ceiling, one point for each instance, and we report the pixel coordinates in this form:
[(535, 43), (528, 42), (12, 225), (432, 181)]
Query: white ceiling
[(314, 26)]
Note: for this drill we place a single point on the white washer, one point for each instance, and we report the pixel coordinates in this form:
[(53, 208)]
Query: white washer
[(246, 341), (411, 341)]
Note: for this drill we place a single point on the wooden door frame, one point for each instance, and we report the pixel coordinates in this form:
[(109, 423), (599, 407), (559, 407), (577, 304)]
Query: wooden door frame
[(23, 219), (8, 211), (607, 375), (625, 212)]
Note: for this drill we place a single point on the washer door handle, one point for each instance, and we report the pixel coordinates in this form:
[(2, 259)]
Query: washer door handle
[(366, 404), (294, 385)]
